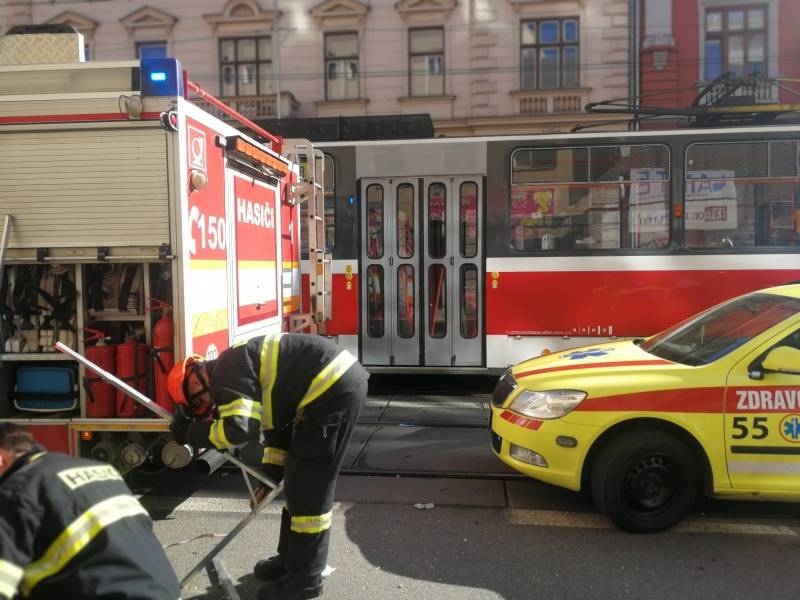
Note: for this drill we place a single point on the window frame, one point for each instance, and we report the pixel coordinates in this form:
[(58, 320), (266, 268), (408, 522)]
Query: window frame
[(354, 58), (724, 35), (236, 63), (560, 45), (412, 54)]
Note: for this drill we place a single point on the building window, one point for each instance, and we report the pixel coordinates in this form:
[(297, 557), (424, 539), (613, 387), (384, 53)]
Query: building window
[(549, 54), (426, 61), (736, 41), (245, 66), (151, 50), (341, 66)]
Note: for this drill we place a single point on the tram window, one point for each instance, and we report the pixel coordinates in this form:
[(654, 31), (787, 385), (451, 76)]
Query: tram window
[(437, 220), (405, 301), (549, 165), (329, 190), (437, 301), (784, 159), (468, 294), (468, 219), (615, 163), (405, 220), (375, 311), (375, 221), (742, 194), (592, 198)]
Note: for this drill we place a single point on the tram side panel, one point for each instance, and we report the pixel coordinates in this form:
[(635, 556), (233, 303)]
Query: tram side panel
[(555, 295)]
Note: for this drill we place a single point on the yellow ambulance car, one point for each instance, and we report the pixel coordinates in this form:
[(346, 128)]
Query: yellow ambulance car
[(711, 405)]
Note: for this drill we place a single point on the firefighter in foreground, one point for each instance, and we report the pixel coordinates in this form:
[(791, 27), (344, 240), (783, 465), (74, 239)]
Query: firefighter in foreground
[(304, 393), (70, 528)]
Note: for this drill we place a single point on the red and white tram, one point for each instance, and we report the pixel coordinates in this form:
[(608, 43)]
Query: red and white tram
[(474, 253)]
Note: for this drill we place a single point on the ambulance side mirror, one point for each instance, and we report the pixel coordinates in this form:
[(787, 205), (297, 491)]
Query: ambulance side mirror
[(783, 359)]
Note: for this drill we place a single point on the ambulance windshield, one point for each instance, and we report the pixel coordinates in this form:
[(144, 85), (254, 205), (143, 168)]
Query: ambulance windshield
[(715, 333)]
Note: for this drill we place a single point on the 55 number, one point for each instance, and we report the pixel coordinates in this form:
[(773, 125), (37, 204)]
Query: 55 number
[(741, 429)]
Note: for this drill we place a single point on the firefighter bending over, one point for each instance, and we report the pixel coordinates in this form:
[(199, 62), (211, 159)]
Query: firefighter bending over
[(304, 393), (70, 528)]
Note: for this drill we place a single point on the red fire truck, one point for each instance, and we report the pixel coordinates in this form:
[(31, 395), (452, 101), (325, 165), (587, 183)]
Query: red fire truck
[(136, 227)]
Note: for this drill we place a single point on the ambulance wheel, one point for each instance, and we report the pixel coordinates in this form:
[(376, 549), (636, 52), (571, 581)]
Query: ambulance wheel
[(645, 481)]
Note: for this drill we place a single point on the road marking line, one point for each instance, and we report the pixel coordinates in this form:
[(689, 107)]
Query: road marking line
[(556, 518)]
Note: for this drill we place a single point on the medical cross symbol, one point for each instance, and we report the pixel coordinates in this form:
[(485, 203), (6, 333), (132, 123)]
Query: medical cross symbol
[(579, 354), (791, 427)]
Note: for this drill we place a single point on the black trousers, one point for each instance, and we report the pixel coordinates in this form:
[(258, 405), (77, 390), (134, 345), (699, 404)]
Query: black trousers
[(319, 442)]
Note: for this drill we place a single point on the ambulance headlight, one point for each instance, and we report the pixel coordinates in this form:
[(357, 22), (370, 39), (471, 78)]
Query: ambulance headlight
[(550, 404)]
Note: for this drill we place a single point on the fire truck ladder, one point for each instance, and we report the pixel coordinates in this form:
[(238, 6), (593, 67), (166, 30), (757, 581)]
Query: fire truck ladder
[(311, 191)]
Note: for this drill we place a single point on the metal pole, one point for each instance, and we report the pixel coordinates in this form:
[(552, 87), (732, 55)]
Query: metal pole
[(276, 58), (634, 50), (275, 141), (233, 533), (4, 242)]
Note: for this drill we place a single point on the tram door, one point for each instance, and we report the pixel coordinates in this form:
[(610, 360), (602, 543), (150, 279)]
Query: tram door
[(452, 269), (421, 268), (390, 255)]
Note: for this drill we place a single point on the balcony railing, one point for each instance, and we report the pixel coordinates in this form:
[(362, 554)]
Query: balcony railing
[(253, 107), (544, 102), (752, 91)]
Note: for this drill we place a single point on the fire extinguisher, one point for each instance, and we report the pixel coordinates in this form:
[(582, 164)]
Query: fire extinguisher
[(132, 369), (101, 404), (162, 352)]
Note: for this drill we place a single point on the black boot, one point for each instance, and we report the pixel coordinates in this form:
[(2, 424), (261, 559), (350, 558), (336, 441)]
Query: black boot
[(270, 569), (292, 587)]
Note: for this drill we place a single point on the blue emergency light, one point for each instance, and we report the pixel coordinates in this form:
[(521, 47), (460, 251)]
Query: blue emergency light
[(161, 77)]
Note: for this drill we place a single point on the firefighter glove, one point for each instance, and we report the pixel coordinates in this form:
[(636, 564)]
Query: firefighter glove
[(180, 427)]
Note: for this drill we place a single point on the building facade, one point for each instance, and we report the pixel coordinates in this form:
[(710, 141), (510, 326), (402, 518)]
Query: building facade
[(477, 67), (687, 44)]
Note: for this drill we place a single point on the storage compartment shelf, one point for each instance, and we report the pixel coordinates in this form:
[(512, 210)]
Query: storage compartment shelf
[(115, 316), (33, 356)]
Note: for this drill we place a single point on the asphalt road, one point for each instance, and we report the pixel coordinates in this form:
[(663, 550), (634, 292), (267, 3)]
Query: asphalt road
[(488, 539)]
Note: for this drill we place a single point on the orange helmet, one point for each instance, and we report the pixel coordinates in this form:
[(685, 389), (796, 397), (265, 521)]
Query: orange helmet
[(177, 377)]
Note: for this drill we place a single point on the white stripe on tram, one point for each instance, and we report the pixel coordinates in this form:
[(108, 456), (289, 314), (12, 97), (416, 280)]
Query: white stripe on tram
[(727, 262)]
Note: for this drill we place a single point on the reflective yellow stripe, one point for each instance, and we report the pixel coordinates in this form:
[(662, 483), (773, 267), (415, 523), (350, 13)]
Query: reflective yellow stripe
[(274, 456), (216, 435), (313, 524), (77, 536), (327, 377), (10, 576), (241, 407), (269, 366)]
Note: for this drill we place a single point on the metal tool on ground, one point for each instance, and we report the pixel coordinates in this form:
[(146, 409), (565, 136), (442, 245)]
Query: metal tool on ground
[(210, 561)]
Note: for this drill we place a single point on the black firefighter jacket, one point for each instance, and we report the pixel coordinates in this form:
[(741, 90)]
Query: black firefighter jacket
[(70, 529), (264, 383)]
